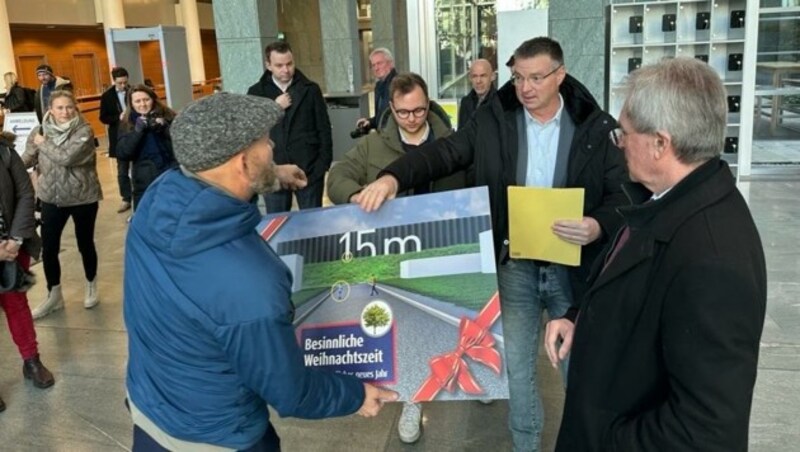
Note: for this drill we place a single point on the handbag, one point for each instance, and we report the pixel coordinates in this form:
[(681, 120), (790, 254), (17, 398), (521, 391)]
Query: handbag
[(14, 278)]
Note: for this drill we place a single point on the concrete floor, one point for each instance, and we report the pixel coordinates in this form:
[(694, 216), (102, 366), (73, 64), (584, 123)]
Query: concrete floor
[(86, 350)]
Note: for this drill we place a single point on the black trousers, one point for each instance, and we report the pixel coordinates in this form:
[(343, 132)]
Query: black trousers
[(54, 219), (142, 442)]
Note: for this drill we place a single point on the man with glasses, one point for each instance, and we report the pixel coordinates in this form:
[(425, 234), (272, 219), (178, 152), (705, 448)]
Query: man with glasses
[(411, 121), (665, 354), (543, 129)]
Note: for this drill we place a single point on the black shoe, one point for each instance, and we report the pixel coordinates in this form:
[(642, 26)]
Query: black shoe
[(2, 405), (33, 369)]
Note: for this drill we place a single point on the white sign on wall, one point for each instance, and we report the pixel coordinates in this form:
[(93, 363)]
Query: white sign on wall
[(514, 28), (20, 124)]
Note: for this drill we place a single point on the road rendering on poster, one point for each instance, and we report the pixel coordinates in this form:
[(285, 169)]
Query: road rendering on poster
[(405, 297)]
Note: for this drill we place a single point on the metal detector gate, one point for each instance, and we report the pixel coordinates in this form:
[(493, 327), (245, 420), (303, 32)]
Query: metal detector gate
[(123, 50)]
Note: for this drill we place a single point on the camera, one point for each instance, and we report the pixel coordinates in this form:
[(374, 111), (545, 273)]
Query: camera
[(151, 121), (360, 132)]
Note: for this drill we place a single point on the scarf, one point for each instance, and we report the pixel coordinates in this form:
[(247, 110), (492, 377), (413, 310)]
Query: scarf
[(58, 133)]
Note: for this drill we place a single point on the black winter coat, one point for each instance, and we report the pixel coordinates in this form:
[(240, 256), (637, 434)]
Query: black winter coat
[(666, 344), (110, 110), (303, 137), (17, 99), (131, 147), (469, 105), (490, 143), (381, 97)]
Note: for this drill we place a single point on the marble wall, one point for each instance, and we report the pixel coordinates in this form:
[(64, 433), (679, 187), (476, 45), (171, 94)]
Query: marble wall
[(340, 47), (244, 28), (580, 27), (390, 30), (300, 25)]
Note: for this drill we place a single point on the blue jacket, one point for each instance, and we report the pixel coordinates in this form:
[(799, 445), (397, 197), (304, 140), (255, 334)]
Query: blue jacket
[(209, 318)]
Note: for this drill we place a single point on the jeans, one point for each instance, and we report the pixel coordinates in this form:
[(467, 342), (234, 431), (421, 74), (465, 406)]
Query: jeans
[(54, 219), (142, 442), (124, 179), (307, 198), (526, 290)]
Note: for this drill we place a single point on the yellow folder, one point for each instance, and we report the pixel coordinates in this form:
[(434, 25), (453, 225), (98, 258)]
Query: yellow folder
[(531, 214)]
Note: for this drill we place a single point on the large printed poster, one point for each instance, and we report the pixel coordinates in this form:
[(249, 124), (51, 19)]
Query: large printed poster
[(405, 297)]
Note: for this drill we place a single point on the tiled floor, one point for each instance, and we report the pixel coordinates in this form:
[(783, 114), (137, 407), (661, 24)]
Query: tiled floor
[(86, 350)]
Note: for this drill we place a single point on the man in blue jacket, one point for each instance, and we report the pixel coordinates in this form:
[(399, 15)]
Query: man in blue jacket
[(207, 302)]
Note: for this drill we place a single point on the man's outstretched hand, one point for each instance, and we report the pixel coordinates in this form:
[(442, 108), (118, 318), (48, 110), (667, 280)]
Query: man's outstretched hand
[(374, 398)]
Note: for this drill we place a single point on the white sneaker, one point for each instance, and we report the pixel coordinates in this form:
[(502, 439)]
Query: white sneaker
[(486, 401), (53, 302), (410, 422), (91, 299)]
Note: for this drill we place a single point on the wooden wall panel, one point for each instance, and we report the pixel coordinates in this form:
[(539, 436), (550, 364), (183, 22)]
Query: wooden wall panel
[(208, 39), (151, 62), (67, 50), (59, 46)]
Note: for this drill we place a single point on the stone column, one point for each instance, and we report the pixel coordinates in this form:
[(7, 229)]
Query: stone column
[(580, 27), (113, 17), (390, 30), (7, 61), (192, 25), (340, 50), (244, 28)]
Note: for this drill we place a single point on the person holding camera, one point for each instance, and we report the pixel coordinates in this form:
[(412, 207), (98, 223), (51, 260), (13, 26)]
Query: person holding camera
[(144, 139), (19, 242)]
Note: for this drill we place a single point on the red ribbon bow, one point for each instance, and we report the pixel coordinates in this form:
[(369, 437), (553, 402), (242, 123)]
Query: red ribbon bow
[(476, 341)]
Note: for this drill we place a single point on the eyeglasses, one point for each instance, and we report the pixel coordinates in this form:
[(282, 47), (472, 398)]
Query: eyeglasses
[(617, 136), (417, 112), (535, 79)]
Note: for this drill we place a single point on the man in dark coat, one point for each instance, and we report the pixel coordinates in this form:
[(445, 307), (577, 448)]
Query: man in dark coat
[(112, 104), (303, 137), (665, 351), (542, 129), (481, 77), (381, 62)]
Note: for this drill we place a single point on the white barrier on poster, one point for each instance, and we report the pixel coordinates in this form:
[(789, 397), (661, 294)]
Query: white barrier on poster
[(482, 262), (21, 125), (295, 264)]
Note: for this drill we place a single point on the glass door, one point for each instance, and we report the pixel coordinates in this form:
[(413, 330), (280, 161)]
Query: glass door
[(776, 116)]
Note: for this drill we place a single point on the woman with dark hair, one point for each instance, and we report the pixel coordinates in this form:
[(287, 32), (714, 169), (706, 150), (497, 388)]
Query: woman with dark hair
[(144, 139), (63, 150), (19, 242)]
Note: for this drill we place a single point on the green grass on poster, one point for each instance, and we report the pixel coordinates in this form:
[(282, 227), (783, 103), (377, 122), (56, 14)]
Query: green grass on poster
[(470, 291), (359, 270)]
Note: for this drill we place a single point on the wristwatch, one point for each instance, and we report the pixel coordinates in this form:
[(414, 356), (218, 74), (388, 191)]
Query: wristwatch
[(18, 240)]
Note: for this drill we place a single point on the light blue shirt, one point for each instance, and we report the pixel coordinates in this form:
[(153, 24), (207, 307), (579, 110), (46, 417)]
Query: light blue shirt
[(542, 148), (121, 97)]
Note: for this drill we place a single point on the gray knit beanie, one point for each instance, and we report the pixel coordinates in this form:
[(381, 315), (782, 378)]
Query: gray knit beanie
[(209, 131)]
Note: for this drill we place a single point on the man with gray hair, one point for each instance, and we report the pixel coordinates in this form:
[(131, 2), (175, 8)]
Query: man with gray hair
[(665, 349), (381, 62), (207, 303)]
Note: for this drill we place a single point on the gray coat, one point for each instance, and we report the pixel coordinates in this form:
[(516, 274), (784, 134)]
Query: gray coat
[(67, 173), (17, 198)]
